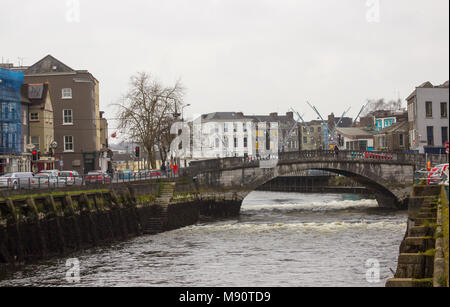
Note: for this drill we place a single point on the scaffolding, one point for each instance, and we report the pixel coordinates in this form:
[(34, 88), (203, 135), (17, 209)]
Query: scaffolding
[(10, 112)]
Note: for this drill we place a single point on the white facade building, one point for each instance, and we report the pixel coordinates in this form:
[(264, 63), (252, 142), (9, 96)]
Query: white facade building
[(428, 117), (355, 139)]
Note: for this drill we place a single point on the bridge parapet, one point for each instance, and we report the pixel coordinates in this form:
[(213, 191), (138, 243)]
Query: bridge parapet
[(418, 160)]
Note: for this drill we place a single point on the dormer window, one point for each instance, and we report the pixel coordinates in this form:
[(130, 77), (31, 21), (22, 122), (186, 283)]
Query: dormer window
[(66, 93)]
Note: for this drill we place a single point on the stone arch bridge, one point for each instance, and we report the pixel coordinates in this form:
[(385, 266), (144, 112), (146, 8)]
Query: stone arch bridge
[(389, 176)]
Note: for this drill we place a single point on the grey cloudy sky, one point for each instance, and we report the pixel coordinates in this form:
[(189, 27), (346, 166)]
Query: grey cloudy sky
[(254, 56)]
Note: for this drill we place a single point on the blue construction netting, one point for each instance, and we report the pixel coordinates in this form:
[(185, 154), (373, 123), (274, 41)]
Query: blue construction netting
[(10, 112)]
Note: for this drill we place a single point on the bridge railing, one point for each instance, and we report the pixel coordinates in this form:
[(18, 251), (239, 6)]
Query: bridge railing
[(406, 157), (420, 160)]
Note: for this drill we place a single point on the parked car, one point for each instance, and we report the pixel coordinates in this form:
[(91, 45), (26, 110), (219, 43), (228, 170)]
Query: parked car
[(46, 179), (53, 172), (70, 177), (127, 174), (15, 180), (156, 173), (436, 175), (97, 177)]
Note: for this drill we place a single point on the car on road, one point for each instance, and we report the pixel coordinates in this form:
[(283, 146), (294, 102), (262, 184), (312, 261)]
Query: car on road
[(15, 180), (47, 179), (53, 172), (70, 177), (127, 174), (97, 177), (436, 175), (156, 173)]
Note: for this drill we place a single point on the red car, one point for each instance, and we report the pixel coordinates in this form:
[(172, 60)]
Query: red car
[(97, 177), (156, 173), (436, 174)]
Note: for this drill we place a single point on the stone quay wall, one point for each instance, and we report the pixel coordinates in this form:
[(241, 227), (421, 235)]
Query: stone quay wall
[(37, 227), (423, 259)]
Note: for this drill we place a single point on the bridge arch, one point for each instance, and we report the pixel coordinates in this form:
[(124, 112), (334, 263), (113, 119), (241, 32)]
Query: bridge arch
[(366, 175), (389, 181)]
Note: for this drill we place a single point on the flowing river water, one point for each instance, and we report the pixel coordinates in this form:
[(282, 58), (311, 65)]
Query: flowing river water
[(280, 239)]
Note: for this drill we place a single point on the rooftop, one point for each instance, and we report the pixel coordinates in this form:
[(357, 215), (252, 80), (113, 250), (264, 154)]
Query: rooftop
[(353, 132), (428, 84)]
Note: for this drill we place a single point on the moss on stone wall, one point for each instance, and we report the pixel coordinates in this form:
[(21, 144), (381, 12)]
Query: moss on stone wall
[(54, 194), (445, 230)]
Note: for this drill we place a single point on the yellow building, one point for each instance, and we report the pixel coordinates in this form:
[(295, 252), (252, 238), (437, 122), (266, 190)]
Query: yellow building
[(41, 130)]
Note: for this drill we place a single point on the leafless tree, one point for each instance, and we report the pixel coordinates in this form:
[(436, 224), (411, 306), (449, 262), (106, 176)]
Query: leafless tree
[(381, 104), (146, 113)]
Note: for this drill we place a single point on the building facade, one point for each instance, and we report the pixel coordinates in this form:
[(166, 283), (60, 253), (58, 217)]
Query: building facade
[(428, 117), (11, 120), (314, 135), (288, 130), (40, 124), (355, 139), (393, 138), (76, 114)]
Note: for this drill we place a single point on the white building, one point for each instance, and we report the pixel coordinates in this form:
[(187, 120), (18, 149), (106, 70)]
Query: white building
[(428, 117), (355, 139)]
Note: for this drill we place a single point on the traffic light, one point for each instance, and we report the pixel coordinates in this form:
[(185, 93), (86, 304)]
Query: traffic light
[(137, 152), (35, 155)]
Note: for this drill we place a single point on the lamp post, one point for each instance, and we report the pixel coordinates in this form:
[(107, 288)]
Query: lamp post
[(182, 109)]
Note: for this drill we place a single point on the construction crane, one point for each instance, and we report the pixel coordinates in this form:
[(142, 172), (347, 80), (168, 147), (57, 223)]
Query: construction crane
[(320, 116), (333, 131), (292, 128), (362, 109), (342, 116)]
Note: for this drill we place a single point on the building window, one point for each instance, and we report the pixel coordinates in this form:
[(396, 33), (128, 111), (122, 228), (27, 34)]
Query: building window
[(304, 130), (401, 140), (67, 117), (225, 127), (24, 120), (379, 125), (305, 140), (66, 93), (444, 133), (444, 110), (35, 141), (235, 142), (244, 127), (225, 141), (68, 143), (429, 109), (430, 136), (311, 129), (245, 143), (34, 116)]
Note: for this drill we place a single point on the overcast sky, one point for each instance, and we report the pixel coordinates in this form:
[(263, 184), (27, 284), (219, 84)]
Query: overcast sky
[(254, 56)]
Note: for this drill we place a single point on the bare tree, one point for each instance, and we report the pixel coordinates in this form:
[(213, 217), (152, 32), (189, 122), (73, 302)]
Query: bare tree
[(147, 112), (381, 104)]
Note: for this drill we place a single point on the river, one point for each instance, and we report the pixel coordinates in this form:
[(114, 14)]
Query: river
[(280, 239)]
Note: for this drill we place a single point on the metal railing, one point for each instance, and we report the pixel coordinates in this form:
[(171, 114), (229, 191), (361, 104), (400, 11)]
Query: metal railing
[(31, 183)]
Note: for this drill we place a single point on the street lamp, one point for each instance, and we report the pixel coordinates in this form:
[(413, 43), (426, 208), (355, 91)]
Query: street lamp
[(182, 109)]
